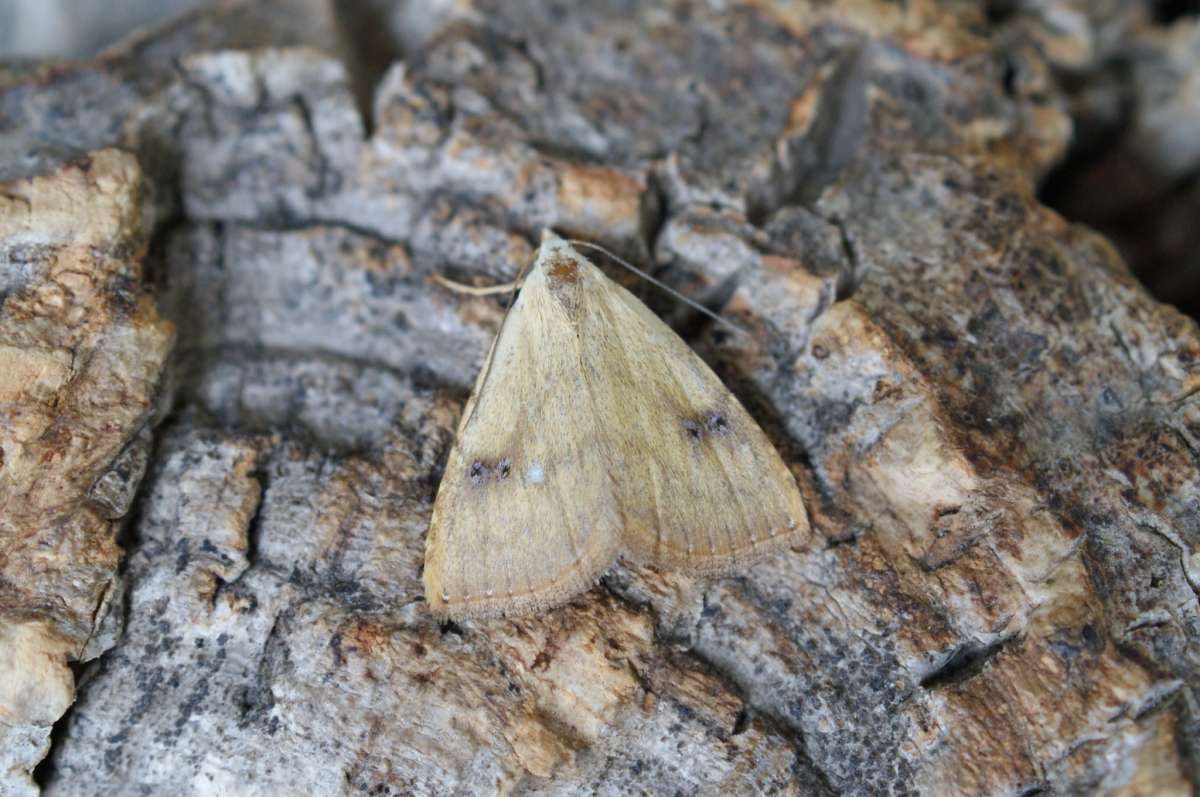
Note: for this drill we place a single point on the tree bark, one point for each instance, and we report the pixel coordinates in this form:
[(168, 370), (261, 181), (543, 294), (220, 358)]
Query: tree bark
[(229, 383)]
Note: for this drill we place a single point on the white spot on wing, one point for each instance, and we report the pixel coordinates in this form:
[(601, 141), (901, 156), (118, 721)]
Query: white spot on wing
[(535, 474)]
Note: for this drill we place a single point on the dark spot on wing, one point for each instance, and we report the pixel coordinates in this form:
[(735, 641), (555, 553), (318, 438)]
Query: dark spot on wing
[(716, 423), (480, 472), (709, 424)]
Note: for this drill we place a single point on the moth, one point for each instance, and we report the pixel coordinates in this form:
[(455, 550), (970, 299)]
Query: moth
[(594, 431)]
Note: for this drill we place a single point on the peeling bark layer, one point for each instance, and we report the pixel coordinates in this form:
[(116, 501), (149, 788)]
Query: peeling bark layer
[(81, 352)]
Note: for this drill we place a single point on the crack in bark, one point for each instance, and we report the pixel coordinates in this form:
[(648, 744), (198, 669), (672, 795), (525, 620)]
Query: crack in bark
[(965, 662), (261, 475)]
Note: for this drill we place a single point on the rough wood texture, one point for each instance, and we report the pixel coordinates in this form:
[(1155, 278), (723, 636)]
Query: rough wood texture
[(81, 350), (995, 428)]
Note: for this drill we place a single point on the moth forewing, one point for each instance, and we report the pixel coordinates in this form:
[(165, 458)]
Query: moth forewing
[(703, 488)]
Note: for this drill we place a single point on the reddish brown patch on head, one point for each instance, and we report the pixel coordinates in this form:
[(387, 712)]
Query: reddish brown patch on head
[(563, 269)]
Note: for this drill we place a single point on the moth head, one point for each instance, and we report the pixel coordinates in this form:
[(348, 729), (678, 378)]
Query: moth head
[(558, 260), (563, 270)]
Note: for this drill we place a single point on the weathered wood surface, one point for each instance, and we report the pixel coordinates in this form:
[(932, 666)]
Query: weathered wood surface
[(995, 428)]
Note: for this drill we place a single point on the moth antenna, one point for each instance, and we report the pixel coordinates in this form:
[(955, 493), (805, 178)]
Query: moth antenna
[(475, 290), (692, 303), (511, 287), (520, 280)]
